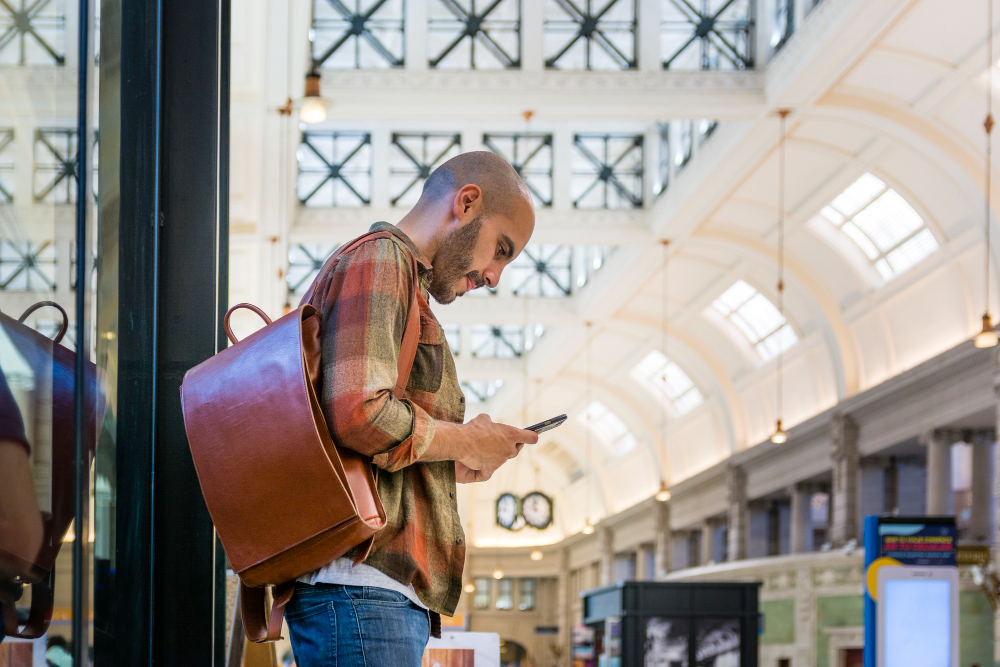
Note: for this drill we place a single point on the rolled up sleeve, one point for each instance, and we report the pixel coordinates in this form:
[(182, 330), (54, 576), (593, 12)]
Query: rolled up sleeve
[(362, 334)]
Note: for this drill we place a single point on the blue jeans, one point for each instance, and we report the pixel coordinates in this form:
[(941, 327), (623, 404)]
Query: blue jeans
[(355, 626)]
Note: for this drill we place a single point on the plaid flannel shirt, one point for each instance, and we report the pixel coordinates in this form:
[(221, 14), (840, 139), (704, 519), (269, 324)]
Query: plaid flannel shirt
[(364, 313)]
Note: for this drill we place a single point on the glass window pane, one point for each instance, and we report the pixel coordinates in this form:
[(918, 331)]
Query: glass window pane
[(888, 220), (527, 602), (482, 594), (859, 193), (505, 594), (912, 251)]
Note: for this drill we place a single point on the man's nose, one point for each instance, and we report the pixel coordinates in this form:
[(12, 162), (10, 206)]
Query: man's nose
[(491, 277)]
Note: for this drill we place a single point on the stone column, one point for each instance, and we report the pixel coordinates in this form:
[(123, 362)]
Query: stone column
[(801, 529), (736, 486), (940, 498), (664, 540), (605, 540), (844, 504), (982, 523), (564, 606), (707, 541)]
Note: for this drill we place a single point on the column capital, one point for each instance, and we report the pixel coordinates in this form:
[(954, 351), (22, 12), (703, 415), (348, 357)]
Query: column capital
[(983, 437), (736, 484), (844, 436), (940, 436)]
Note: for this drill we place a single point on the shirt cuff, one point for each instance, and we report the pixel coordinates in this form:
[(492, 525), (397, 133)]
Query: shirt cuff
[(410, 450)]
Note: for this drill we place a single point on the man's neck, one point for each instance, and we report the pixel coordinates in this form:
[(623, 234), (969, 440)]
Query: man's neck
[(423, 228)]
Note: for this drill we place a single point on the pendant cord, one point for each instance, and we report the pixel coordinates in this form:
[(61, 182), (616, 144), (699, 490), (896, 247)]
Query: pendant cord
[(590, 467), (988, 125), (663, 345), (783, 113)]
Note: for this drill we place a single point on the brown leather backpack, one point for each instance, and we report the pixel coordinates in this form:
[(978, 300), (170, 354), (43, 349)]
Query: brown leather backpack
[(285, 499)]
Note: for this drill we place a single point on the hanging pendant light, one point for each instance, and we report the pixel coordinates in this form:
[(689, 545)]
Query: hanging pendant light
[(663, 495), (536, 554), (469, 587), (497, 573), (987, 337), (312, 106), (779, 436), (588, 528)]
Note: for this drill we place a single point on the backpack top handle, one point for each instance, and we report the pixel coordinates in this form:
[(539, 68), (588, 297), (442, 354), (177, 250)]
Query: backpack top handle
[(42, 304)]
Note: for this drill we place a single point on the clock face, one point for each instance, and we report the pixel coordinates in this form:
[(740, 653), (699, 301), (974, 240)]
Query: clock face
[(536, 507), (508, 511)]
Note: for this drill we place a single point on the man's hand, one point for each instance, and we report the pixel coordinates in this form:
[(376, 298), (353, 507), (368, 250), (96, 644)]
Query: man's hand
[(466, 475), (478, 447), (489, 445)]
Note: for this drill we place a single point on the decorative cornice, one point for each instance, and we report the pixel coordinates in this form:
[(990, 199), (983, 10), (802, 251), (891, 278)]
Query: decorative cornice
[(654, 82)]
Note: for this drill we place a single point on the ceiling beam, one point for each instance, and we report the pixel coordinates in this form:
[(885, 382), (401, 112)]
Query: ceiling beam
[(331, 225), (444, 96)]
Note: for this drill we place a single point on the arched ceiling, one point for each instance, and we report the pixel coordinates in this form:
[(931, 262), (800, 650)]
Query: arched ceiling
[(894, 88), (907, 108)]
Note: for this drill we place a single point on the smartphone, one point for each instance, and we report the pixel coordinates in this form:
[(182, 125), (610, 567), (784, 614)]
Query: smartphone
[(547, 425)]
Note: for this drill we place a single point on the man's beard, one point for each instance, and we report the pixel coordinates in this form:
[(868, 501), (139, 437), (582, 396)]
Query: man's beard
[(453, 261)]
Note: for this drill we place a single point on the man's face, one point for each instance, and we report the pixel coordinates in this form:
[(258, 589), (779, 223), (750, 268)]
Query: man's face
[(476, 253)]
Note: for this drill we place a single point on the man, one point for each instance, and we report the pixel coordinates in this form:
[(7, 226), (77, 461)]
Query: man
[(474, 216)]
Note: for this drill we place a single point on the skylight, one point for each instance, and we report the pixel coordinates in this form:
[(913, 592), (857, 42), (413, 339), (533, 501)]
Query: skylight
[(478, 391), (882, 224), (608, 427), (757, 319), (667, 380)]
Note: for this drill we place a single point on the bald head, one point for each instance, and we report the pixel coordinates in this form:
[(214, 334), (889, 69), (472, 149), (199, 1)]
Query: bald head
[(473, 218), (504, 192)]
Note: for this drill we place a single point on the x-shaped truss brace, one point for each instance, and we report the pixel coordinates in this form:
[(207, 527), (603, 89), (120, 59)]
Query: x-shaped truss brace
[(475, 32), (606, 172), (67, 167), (335, 170), (709, 28), (28, 260), (542, 270), (496, 339), (23, 24), (589, 29), (359, 28)]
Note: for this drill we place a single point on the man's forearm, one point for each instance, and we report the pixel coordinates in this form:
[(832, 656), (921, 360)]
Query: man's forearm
[(449, 442)]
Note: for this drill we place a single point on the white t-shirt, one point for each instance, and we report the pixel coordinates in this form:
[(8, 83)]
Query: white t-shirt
[(344, 572)]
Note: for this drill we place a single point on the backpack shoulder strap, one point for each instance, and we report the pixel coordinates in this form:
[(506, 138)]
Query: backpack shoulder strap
[(411, 333)]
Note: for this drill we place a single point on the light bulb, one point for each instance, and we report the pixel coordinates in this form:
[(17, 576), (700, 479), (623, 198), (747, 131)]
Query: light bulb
[(498, 573), (588, 528), (536, 554), (469, 588), (779, 436), (313, 111), (663, 495), (987, 337)]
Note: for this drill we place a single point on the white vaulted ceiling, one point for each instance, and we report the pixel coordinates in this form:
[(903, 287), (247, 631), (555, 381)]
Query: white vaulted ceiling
[(893, 88)]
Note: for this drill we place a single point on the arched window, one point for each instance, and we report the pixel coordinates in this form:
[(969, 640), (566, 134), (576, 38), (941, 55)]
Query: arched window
[(756, 318), (668, 382), (608, 427), (887, 229)]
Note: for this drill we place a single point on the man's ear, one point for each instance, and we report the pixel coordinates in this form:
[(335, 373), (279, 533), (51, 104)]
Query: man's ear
[(468, 202)]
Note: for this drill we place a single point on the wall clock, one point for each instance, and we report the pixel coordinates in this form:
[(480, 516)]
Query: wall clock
[(536, 508), (509, 511)]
